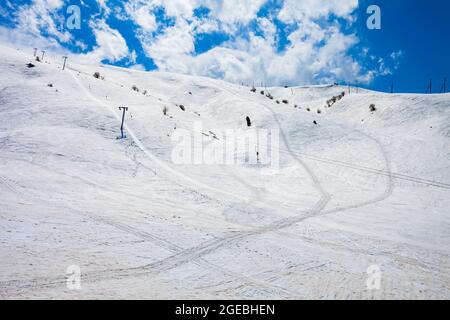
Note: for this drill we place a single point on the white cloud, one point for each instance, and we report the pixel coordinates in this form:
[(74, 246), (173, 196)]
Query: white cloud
[(142, 15), (110, 44), (315, 52), (397, 55), (38, 17), (301, 10), (234, 11)]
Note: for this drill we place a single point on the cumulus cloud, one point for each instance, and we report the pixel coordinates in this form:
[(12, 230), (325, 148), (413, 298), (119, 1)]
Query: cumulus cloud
[(304, 10), (39, 17), (111, 45), (315, 49), (315, 53)]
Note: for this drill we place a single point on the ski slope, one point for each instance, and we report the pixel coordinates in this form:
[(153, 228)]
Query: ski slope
[(358, 190)]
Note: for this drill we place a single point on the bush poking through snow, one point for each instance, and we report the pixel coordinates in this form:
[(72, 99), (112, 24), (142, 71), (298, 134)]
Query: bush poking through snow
[(253, 90), (135, 88), (319, 111), (97, 75), (372, 108), (182, 107), (315, 122), (165, 110), (38, 59), (308, 109), (145, 92), (278, 102), (50, 85), (249, 122), (262, 93), (268, 95), (285, 101), (335, 99)]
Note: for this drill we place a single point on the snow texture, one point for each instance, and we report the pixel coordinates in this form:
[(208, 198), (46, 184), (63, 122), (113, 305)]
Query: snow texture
[(359, 189)]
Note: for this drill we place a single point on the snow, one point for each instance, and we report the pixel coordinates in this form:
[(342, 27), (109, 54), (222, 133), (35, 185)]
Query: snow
[(359, 189)]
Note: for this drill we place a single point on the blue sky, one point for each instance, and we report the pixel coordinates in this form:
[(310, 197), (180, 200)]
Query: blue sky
[(274, 42)]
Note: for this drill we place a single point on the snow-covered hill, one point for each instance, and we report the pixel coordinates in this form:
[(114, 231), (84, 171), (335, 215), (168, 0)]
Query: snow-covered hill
[(357, 192)]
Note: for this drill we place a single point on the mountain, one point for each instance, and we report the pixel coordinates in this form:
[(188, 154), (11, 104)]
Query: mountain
[(354, 204)]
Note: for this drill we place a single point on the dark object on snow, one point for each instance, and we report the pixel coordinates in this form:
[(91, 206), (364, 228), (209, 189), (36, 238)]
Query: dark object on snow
[(308, 109), (372, 108), (285, 101), (319, 111), (38, 59), (315, 122), (97, 75), (268, 95), (263, 93), (190, 93), (253, 90), (135, 88), (30, 65), (50, 85), (278, 102), (182, 107), (124, 109), (249, 122)]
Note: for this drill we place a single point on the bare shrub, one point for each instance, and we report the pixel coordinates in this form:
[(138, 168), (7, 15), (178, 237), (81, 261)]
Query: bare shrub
[(372, 108)]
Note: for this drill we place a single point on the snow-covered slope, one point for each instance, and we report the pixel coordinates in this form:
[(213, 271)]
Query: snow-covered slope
[(359, 191)]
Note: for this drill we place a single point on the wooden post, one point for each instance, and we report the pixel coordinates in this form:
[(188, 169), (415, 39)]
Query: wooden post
[(43, 54)]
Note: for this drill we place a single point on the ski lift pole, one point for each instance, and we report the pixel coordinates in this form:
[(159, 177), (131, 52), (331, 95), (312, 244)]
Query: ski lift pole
[(64, 65), (124, 109)]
